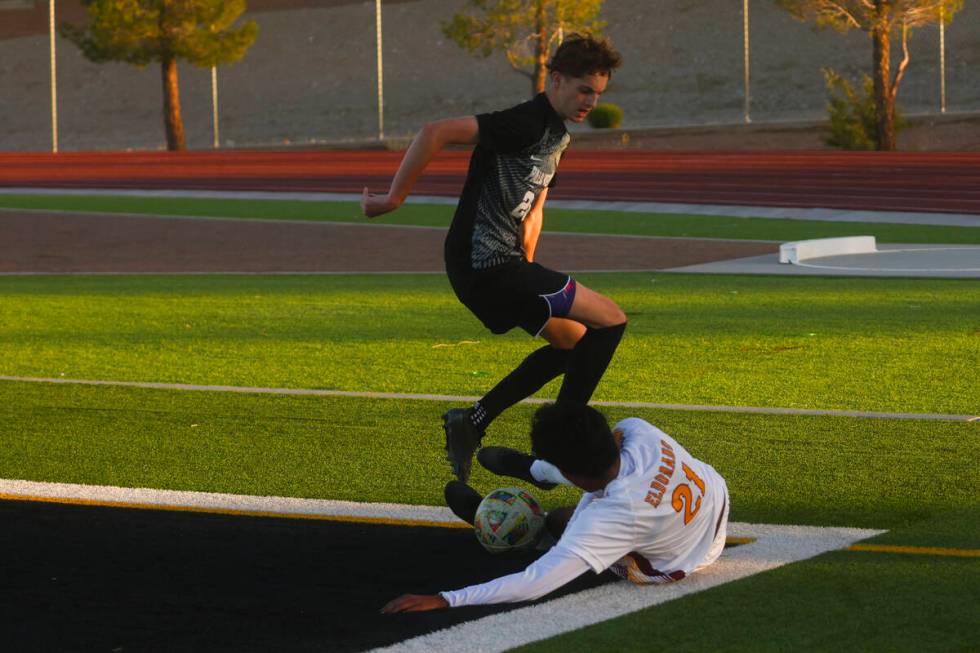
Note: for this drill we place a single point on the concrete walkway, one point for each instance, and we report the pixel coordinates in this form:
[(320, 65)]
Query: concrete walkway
[(938, 261)]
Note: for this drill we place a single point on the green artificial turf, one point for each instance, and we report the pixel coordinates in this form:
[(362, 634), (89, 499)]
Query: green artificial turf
[(843, 601), (916, 478), (869, 344), (780, 469), (557, 220), (892, 345)]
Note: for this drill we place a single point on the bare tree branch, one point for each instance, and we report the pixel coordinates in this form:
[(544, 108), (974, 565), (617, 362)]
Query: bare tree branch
[(516, 54), (831, 9), (905, 60)]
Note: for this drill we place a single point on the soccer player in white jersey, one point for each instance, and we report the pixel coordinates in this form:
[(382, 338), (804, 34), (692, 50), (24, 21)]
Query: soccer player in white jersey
[(651, 512)]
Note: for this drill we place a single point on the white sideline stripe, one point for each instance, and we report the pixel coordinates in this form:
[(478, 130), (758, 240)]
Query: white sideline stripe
[(761, 410), (271, 505), (724, 210), (774, 546)]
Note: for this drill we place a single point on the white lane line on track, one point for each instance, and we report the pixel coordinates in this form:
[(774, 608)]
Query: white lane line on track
[(723, 210), (773, 546), (762, 410)]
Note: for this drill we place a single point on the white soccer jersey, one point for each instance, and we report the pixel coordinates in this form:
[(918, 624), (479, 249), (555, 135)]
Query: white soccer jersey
[(659, 520), (664, 516)]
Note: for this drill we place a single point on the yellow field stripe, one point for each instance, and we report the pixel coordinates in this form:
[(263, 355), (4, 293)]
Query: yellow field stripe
[(394, 521), (391, 521), (916, 550)]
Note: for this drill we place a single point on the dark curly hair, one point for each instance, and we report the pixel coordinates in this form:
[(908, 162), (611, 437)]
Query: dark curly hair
[(574, 437), (583, 54)]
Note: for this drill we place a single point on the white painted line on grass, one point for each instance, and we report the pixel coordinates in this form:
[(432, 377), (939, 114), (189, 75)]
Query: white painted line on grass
[(221, 503), (761, 410), (774, 546)]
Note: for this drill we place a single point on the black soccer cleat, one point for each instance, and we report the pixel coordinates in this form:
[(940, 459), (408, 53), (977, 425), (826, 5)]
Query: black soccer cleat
[(510, 462), (462, 500), (462, 439)]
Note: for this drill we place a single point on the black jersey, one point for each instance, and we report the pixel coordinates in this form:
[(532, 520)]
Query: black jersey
[(516, 158)]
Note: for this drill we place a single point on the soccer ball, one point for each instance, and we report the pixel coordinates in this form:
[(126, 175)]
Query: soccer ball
[(508, 519)]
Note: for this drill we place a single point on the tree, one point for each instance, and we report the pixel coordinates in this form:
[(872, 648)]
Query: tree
[(853, 119), (526, 30), (879, 19), (140, 32)]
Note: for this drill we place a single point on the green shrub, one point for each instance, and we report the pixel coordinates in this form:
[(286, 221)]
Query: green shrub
[(853, 122), (605, 115)]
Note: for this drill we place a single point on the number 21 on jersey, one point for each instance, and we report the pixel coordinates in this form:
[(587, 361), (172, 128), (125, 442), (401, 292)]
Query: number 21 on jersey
[(683, 497)]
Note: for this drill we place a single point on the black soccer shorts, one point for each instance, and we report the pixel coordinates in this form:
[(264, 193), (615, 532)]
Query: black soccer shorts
[(513, 294)]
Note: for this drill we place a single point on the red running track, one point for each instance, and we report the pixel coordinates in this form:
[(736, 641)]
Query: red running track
[(892, 181)]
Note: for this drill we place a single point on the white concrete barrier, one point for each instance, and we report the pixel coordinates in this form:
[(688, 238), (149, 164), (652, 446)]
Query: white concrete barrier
[(804, 249)]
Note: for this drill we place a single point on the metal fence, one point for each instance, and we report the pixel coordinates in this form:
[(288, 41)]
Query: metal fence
[(313, 74)]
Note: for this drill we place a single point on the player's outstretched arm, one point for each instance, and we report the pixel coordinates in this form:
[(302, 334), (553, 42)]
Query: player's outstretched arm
[(431, 138), (415, 603)]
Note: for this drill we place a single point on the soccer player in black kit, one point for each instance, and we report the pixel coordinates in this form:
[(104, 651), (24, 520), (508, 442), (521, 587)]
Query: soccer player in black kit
[(489, 251)]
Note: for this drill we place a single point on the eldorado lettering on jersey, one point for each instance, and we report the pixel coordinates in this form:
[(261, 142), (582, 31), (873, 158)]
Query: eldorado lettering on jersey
[(659, 485)]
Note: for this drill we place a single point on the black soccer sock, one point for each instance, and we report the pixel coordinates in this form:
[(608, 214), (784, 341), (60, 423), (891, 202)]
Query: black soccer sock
[(541, 365), (588, 362), (462, 500)]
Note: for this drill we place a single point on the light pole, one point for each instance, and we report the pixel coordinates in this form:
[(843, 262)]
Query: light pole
[(745, 47), (942, 58), (54, 80), (214, 106), (381, 96)]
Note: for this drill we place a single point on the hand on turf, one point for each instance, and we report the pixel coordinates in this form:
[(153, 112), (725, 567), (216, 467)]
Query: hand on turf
[(374, 205), (415, 603)]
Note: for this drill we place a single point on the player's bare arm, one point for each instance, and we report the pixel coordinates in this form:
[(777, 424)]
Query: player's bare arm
[(531, 227), (427, 143), (415, 603)]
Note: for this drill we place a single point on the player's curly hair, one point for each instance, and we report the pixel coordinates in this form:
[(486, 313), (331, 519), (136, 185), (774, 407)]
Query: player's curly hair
[(574, 437), (583, 54)]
